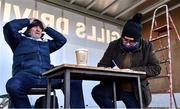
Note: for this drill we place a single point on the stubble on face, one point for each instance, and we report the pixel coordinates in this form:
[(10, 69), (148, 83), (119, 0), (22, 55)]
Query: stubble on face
[(35, 32)]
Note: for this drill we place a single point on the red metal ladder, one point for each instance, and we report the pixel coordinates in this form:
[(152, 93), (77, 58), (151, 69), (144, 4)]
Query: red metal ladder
[(163, 32)]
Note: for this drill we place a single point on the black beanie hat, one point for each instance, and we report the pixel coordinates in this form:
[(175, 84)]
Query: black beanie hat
[(133, 27), (35, 22)]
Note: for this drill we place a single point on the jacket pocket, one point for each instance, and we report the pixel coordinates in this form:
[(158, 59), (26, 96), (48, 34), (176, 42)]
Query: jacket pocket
[(146, 93)]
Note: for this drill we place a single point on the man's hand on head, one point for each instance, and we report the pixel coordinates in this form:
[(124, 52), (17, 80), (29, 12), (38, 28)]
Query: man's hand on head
[(44, 25), (31, 20)]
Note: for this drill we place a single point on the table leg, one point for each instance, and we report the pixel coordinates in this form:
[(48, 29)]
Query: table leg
[(48, 99), (67, 89), (140, 92), (114, 94)]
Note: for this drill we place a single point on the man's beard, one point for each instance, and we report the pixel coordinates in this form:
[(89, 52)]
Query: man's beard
[(35, 36), (128, 48)]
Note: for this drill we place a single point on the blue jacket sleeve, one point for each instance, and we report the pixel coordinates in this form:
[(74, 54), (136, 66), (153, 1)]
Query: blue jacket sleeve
[(11, 31), (58, 39)]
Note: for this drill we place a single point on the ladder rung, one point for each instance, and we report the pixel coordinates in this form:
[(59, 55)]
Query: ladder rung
[(161, 29), (161, 91), (157, 107), (156, 77), (164, 61), (161, 49), (160, 37), (168, 91)]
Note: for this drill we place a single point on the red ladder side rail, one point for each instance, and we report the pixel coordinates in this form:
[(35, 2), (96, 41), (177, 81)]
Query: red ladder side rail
[(170, 58), (170, 18)]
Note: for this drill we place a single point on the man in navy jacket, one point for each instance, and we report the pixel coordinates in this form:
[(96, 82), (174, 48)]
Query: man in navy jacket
[(31, 57)]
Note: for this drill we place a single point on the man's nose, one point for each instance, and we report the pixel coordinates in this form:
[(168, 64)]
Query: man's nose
[(128, 43), (38, 29)]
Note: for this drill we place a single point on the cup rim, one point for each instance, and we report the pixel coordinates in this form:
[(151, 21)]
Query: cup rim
[(81, 49)]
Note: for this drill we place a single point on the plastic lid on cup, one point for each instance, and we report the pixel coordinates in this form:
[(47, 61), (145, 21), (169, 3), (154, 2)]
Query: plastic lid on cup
[(81, 49)]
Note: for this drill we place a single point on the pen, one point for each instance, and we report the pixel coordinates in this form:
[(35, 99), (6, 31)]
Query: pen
[(114, 63)]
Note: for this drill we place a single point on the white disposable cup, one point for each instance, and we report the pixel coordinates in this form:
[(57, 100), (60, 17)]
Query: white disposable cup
[(81, 56)]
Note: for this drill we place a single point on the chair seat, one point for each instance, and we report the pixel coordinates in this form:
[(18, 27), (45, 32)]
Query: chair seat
[(37, 91)]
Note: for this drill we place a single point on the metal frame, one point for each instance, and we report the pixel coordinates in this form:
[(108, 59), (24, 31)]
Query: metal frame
[(106, 8), (72, 1), (115, 20), (83, 11), (5, 100), (93, 2), (161, 13), (129, 9), (154, 6), (75, 73)]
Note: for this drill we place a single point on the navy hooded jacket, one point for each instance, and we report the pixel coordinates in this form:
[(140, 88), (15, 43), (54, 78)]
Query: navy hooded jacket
[(31, 55)]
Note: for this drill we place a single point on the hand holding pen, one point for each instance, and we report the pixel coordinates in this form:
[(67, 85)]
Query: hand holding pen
[(115, 65), (117, 68)]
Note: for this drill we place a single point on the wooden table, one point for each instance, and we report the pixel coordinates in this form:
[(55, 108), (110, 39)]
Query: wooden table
[(73, 71)]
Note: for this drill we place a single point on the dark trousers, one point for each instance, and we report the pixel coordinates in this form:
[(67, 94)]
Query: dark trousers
[(18, 85), (103, 96)]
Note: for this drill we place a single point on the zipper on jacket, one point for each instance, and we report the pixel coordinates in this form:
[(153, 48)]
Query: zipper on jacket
[(40, 59)]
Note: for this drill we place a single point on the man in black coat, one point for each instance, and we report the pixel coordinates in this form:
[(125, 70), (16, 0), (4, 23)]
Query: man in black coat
[(128, 52)]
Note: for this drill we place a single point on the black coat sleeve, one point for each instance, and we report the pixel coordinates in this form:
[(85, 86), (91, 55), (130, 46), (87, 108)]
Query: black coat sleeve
[(106, 60), (152, 68)]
